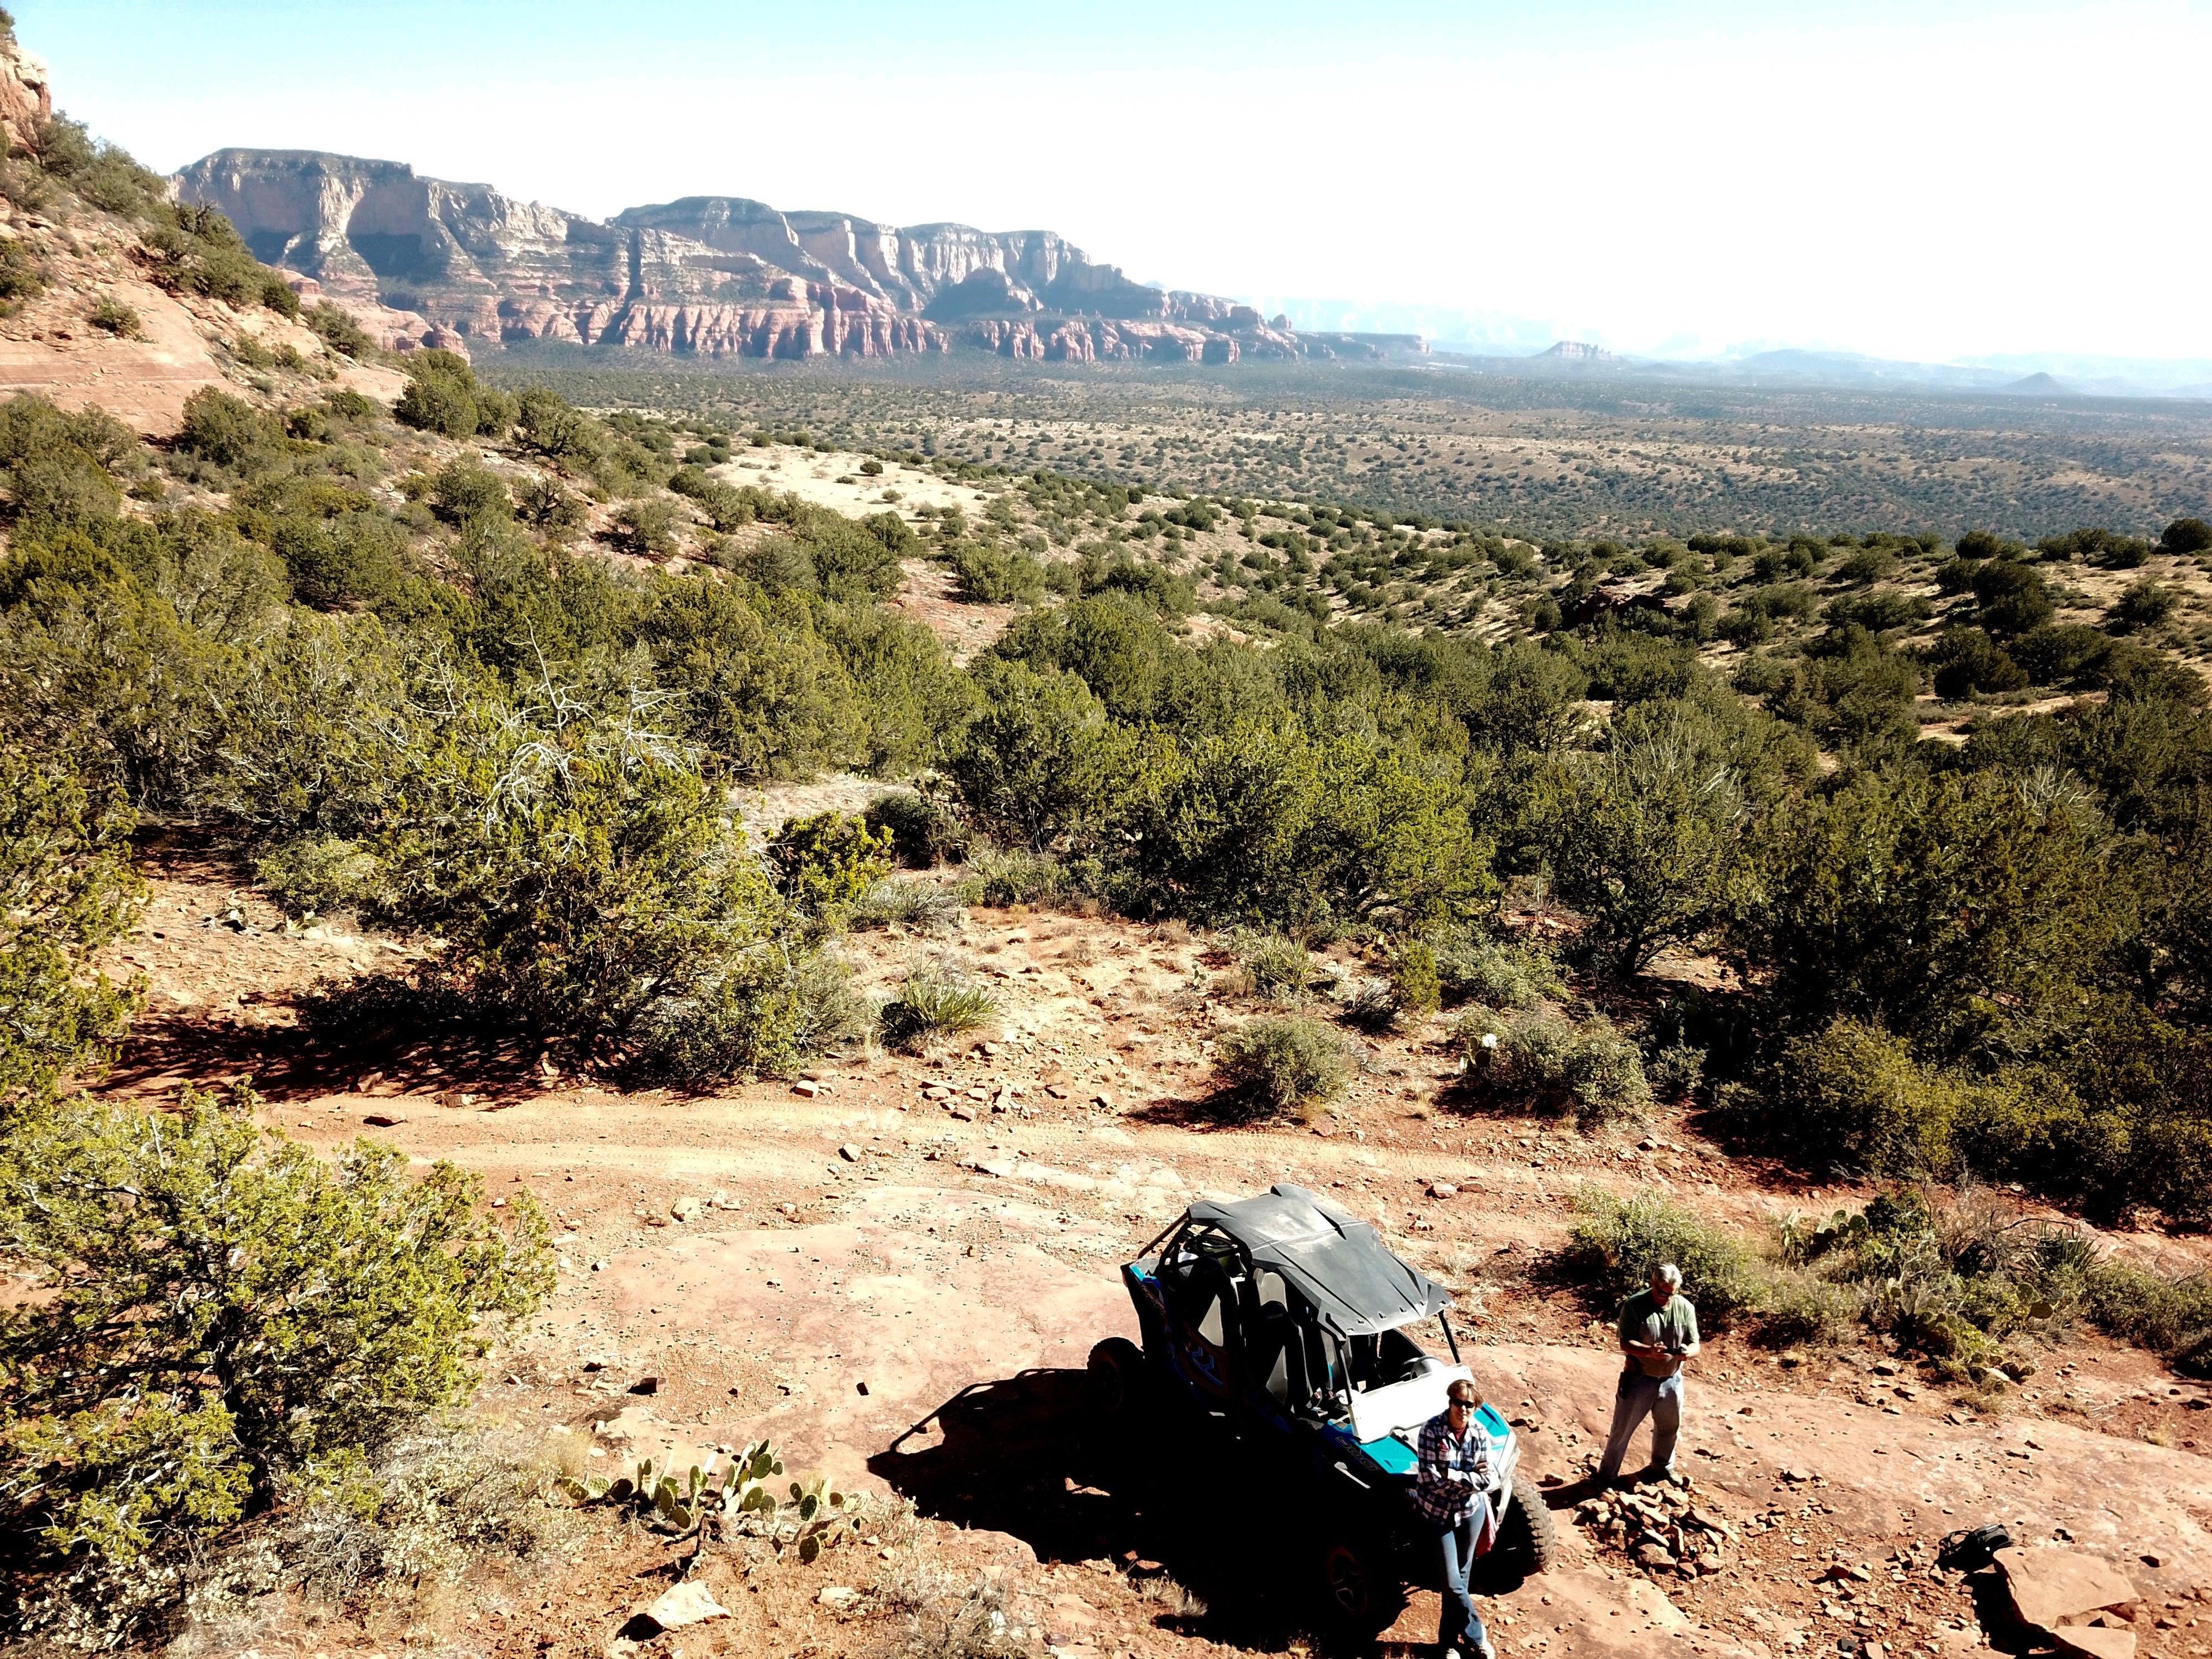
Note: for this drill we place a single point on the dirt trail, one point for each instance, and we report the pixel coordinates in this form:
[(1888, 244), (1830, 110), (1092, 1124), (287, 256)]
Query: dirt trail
[(828, 1263)]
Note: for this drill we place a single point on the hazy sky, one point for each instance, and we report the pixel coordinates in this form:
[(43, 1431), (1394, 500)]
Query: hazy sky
[(1933, 179)]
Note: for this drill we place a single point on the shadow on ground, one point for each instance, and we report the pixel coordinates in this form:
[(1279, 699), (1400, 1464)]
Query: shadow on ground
[(409, 1049), (1024, 1455)]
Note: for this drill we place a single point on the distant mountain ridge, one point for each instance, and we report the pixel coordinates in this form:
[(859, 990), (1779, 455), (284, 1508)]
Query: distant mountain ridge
[(712, 275)]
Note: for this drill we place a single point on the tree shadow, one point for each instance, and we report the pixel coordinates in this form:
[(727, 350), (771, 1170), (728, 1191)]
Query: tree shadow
[(1161, 1500), (384, 1031)]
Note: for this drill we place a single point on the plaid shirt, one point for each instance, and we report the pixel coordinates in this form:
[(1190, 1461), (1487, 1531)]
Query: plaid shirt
[(1453, 1471)]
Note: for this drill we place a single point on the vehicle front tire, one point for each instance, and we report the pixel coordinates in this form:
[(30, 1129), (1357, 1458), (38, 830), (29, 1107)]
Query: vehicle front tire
[(1527, 1542), (1116, 1379), (1361, 1594)]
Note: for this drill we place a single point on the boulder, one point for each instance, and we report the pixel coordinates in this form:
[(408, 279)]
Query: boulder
[(2048, 1585)]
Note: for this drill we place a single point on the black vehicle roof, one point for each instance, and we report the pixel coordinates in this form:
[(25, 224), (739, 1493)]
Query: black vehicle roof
[(1339, 1265)]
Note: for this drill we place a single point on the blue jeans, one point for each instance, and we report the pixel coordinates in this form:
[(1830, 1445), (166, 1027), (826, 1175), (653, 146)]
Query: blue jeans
[(1460, 1619), (1659, 1398)]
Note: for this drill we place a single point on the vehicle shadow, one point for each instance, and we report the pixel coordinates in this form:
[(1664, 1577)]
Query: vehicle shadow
[(1025, 1455)]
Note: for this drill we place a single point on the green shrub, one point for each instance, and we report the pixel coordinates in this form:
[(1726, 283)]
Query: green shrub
[(470, 495), (1276, 966), (824, 862), (214, 1313), (548, 509), (2170, 1316), (1267, 1067), (923, 907), (1015, 875), (924, 830), (1968, 1282), (110, 316), (1473, 967), (585, 876), (2187, 537), (443, 396), (69, 891), (1641, 838), (1618, 1242), (1676, 1070), (2145, 604), (1591, 1070), (224, 430), (1604, 1074), (937, 1003), (1853, 1096), (338, 330), (1032, 764), (21, 276), (995, 575), (548, 424), (647, 528), (1803, 1310), (1416, 985)]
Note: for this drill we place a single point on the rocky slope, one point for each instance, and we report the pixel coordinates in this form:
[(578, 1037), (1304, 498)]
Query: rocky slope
[(94, 326), (716, 275)]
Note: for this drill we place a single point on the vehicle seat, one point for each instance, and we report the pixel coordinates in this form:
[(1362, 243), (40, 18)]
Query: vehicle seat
[(1281, 1358)]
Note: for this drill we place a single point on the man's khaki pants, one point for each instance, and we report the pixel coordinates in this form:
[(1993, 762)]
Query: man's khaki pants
[(1638, 1396)]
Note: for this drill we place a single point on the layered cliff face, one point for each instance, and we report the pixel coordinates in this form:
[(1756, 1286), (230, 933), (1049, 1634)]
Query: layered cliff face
[(718, 275)]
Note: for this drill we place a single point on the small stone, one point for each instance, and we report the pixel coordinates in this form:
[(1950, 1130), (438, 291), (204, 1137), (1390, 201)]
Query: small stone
[(384, 1120), (367, 1082), (838, 1598), (686, 1209), (849, 1152), (806, 1088), (1443, 1189), (1654, 1555), (646, 1385), (688, 1603), (598, 1266)]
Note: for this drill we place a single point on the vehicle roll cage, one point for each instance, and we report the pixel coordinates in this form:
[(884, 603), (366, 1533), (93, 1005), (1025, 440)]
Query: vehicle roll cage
[(1158, 1249)]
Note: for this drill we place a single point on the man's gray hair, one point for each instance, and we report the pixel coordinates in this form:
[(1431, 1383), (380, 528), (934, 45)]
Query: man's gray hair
[(1668, 1272)]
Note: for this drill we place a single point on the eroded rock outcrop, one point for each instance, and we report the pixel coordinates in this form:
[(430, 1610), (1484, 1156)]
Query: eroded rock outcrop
[(715, 275), (25, 101)]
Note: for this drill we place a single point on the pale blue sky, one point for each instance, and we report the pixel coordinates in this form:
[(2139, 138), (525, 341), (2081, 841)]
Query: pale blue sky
[(1936, 179)]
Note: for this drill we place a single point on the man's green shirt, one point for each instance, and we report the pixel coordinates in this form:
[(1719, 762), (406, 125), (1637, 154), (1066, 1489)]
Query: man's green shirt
[(1642, 1319)]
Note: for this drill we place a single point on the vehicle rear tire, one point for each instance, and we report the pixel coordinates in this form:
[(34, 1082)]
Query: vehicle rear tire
[(1361, 1594), (1116, 1379), (1527, 1542)]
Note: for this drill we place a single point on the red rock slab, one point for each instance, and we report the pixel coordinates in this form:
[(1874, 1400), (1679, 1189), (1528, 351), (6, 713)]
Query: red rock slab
[(2048, 1584)]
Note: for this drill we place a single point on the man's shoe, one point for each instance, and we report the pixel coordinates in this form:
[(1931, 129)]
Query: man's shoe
[(1675, 1477)]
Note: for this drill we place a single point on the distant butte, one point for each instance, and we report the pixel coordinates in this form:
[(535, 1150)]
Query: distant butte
[(428, 262)]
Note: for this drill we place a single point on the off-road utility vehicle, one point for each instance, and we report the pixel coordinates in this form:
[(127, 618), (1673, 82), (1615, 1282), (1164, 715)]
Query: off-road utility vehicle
[(1286, 1326)]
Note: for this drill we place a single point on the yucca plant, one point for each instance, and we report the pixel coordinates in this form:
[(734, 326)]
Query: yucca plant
[(937, 1002)]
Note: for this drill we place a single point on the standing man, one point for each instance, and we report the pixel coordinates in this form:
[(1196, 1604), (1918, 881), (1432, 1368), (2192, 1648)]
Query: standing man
[(1658, 1332), (1451, 1488)]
